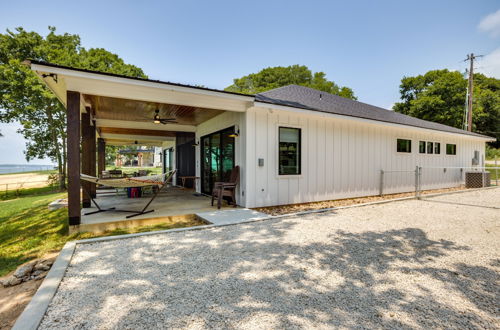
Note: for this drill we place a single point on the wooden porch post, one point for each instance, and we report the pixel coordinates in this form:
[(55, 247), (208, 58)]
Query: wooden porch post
[(86, 157), (73, 154), (93, 158), (101, 156)]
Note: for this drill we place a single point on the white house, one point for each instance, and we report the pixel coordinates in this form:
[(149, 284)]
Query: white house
[(293, 144)]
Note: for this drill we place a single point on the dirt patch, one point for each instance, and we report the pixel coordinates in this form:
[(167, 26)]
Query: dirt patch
[(13, 300), (293, 208)]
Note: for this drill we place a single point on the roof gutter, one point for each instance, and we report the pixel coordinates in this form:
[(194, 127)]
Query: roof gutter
[(82, 73)]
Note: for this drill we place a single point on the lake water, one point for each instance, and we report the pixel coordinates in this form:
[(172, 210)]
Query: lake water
[(18, 168)]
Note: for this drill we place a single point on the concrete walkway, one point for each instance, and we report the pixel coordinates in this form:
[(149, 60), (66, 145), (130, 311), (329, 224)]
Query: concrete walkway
[(231, 216)]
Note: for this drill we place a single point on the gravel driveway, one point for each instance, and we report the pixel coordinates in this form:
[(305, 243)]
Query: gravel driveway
[(410, 264)]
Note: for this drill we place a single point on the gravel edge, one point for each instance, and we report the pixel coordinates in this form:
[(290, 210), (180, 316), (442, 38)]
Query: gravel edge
[(35, 311)]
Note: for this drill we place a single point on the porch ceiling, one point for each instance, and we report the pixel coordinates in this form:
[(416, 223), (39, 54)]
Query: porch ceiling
[(112, 108), (122, 121)]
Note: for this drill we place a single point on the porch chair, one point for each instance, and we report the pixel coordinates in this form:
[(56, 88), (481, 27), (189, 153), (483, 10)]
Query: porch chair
[(226, 189)]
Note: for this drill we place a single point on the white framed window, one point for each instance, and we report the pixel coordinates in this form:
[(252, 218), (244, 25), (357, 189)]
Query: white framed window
[(403, 145), (289, 156), (430, 147), (421, 147), (437, 148), (451, 149)]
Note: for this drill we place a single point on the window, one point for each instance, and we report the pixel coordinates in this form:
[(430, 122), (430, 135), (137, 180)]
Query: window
[(430, 147), (451, 149), (403, 145), (289, 151), (421, 147), (437, 148)]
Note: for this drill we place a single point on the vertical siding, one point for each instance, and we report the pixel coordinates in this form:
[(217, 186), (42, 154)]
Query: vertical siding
[(343, 158)]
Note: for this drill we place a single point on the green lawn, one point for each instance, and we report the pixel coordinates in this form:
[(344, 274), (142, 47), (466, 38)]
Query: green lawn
[(130, 170), (493, 174), (28, 230)]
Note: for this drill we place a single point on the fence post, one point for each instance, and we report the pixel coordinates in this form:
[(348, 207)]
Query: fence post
[(416, 181), (419, 181), (381, 191), (496, 171)]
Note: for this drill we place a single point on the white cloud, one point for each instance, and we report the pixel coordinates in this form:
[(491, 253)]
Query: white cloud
[(490, 64), (491, 24)]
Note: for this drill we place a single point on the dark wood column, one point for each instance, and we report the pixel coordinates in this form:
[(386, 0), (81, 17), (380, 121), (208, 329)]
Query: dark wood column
[(101, 156), (86, 157), (93, 158), (73, 155)]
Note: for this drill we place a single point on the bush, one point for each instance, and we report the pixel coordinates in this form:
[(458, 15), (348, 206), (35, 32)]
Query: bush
[(492, 152)]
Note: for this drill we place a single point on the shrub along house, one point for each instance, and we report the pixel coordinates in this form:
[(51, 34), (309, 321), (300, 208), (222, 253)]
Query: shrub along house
[(293, 144)]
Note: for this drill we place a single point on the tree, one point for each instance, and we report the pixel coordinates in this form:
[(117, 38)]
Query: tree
[(439, 96), (279, 76), (25, 99)]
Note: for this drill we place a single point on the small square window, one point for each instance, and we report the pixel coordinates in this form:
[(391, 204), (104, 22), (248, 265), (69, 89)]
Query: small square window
[(451, 149), (437, 148), (421, 147), (430, 147), (404, 145)]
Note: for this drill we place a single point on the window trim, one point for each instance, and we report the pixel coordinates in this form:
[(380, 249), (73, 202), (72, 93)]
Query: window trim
[(403, 152), (425, 147), (301, 170), (435, 144), (431, 144), (446, 149)]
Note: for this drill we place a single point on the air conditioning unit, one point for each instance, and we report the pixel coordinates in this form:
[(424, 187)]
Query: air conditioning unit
[(477, 179)]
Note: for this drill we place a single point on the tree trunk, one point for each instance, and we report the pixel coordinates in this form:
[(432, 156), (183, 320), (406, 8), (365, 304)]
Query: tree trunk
[(63, 176), (53, 133)]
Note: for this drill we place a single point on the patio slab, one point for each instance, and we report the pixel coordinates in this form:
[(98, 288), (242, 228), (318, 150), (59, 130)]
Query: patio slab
[(173, 204), (230, 216)]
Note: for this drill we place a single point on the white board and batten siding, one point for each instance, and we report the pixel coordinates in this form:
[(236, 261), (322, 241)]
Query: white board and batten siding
[(342, 158)]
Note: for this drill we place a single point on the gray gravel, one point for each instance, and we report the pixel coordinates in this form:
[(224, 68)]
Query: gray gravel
[(411, 264)]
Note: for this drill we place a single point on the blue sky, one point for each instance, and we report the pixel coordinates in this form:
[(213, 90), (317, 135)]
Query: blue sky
[(366, 45)]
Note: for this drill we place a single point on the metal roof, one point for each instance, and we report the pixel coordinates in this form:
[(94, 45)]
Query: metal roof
[(311, 99)]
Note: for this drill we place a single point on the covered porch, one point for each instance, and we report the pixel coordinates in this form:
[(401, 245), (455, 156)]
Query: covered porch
[(106, 109)]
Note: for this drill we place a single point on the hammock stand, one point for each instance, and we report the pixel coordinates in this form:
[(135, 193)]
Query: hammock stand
[(134, 182)]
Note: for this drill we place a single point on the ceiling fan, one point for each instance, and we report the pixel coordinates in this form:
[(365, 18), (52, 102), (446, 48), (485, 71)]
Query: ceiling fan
[(158, 120)]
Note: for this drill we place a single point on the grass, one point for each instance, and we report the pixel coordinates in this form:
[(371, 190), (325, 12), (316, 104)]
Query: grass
[(13, 194), (493, 173), (130, 170), (28, 229)]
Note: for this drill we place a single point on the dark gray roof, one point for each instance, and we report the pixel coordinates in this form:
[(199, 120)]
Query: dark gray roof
[(312, 99)]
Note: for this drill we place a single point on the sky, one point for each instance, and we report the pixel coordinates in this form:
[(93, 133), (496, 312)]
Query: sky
[(365, 45)]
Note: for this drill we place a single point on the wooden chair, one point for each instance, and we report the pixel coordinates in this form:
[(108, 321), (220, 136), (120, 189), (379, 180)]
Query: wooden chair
[(226, 189)]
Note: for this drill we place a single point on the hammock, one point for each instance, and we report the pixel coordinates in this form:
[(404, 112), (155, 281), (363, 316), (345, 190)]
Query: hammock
[(141, 181)]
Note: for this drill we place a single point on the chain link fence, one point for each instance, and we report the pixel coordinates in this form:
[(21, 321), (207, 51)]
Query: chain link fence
[(432, 178)]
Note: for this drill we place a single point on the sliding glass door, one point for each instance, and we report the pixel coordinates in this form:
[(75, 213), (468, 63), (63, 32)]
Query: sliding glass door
[(217, 158)]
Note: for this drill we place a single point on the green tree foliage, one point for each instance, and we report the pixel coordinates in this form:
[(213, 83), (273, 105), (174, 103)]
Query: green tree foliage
[(439, 96), (24, 98), (279, 76)]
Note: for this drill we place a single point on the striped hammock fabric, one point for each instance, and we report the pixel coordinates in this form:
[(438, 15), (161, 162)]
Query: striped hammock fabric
[(140, 181)]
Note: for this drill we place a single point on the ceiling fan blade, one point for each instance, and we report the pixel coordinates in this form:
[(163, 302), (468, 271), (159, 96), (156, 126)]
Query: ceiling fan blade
[(168, 121)]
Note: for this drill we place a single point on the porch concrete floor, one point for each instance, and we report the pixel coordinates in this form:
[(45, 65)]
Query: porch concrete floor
[(173, 201)]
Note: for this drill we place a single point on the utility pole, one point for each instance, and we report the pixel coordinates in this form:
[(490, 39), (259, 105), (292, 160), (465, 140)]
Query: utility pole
[(471, 57)]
